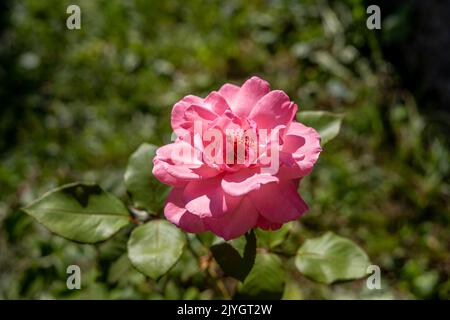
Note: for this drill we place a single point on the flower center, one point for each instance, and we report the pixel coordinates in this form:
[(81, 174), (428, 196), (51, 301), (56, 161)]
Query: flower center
[(241, 147)]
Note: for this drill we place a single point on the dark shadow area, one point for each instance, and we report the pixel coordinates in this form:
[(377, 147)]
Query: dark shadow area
[(415, 38)]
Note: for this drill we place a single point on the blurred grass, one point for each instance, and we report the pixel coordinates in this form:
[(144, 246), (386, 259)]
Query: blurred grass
[(75, 104)]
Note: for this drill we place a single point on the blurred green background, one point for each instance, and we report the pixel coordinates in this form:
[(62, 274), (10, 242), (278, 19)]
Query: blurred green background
[(75, 104)]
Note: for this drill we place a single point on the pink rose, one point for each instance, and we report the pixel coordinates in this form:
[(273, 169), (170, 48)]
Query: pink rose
[(237, 160)]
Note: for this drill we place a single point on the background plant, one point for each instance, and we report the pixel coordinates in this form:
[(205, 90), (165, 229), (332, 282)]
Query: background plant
[(75, 105), (84, 213)]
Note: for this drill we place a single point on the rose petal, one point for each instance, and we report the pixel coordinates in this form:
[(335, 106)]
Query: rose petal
[(178, 119), (249, 94), (207, 199), (178, 163), (176, 213), (235, 223), (229, 92), (217, 103), (272, 110), (245, 180), (180, 152), (279, 202), (265, 224), (160, 172), (302, 143), (187, 173), (198, 113)]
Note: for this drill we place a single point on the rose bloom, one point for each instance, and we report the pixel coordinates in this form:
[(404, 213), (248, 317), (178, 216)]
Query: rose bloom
[(212, 193)]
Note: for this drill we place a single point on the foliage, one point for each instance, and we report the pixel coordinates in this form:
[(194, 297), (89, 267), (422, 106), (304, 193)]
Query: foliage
[(80, 212), (331, 258), (147, 192), (155, 247)]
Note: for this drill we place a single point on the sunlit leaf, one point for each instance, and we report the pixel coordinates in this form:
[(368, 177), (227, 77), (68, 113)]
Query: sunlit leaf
[(80, 212), (154, 247), (330, 258), (119, 269), (266, 279), (271, 239), (293, 290), (146, 191), (327, 124)]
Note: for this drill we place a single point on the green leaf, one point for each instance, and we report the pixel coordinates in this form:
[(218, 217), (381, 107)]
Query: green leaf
[(266, 280), (330, 258), (271, 239), (326, 123), (118, 269), (154, 247), (145, 190), (292, 290), (80, 212), (206, 238), (236, 257)]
